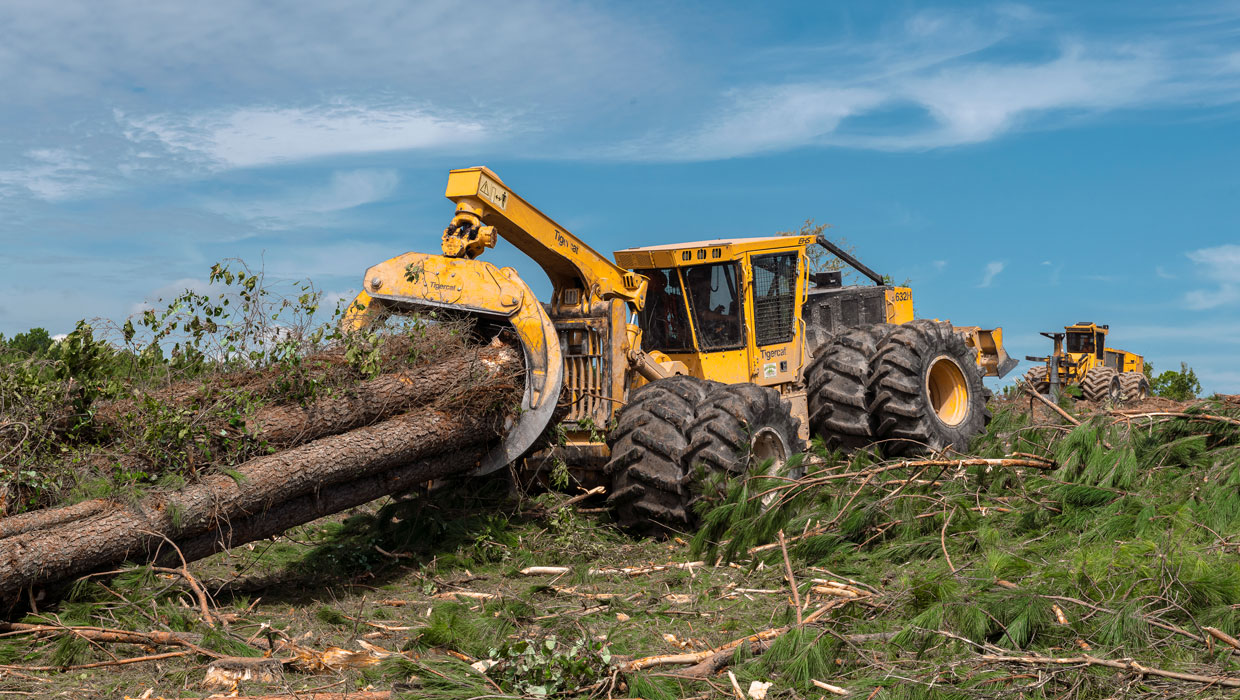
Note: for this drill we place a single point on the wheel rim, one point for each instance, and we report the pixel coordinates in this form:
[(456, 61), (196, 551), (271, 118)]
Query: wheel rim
[(948, 391), (769, 444)]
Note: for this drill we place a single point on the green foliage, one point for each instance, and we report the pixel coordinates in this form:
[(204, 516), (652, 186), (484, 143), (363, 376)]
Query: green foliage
[(1179, 386), (32, 343), (543, 667)]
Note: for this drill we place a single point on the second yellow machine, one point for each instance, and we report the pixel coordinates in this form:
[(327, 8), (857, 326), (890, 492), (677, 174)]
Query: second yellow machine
[(694, 357), (1081, 358)]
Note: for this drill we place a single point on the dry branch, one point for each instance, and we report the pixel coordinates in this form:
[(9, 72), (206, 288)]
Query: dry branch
[(700, 656), (1176, 414), (1028, 388), (1125, 665), (110, 636)]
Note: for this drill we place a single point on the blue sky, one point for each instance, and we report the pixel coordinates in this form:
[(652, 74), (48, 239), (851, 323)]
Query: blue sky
[(1024, 165)]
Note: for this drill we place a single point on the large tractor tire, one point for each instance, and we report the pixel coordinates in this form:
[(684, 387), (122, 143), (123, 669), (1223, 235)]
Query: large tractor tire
[(739, 426), (1102, 384), (1133, 386), (836, 383), (1037, 376), (927, 390), (649, 491)]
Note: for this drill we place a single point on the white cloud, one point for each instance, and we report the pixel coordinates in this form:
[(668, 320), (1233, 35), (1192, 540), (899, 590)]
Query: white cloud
[(346, 190), (1217, 264), (765, 119), (1162, 273), (51, 174), (947, 92), (993, 268), (257, 136), (939, 265)]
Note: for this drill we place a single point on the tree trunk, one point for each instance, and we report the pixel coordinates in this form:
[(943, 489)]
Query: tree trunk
[(380, 397), (134, 531), (304, 509)]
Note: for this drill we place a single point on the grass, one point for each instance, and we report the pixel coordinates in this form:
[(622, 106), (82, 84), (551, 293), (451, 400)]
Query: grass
[(1120, 552)]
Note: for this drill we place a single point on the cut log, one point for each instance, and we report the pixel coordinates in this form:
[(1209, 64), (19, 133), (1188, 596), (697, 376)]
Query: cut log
[(339, 497), (381, 397), (118, 532)]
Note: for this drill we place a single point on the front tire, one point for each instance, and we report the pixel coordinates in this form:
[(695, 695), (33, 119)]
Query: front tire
[(1102, 384), (738, 426), (649, 491), (1037, 376), (928, 392), (1134, 386)]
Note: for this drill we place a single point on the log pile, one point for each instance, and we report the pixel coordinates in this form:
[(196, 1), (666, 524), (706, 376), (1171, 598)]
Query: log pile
[(380, 437)]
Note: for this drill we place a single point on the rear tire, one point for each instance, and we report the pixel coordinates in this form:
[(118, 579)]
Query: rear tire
[(649, 491), (837, 384), (1037, 376), (1133, 386), (927, 388), (738, 426), (1102, 384)]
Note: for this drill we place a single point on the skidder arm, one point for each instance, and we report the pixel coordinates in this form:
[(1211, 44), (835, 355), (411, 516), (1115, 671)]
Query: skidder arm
[(424, 282)]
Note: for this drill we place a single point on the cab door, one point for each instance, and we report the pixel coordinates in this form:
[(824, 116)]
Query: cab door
[(776, 285)]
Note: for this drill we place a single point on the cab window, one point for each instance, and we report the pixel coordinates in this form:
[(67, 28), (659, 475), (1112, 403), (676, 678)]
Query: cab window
[(664, 319), (1080, 342), (714, 298)]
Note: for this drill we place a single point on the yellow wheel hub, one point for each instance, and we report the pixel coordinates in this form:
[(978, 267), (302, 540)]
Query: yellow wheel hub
[(948, 390)]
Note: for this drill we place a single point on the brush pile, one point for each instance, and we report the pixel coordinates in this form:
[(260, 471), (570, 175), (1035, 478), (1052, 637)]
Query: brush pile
[(114, 453), (1092, 559)]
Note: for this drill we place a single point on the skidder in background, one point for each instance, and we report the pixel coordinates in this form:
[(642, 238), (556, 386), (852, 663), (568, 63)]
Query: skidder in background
[(1081, 358)]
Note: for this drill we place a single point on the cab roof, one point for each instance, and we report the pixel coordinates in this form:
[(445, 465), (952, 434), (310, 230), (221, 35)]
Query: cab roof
[(704, 252)]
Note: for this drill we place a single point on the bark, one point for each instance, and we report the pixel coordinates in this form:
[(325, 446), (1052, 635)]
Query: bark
[(333, 499), (135, 531), (39, 519), (381, 397)]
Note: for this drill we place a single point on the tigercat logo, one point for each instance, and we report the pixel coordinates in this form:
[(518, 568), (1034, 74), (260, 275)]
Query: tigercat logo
[(441, 286), (768, 354)]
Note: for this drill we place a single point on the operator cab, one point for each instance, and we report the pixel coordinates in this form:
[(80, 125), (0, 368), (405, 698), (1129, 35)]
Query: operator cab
[(724, 296), (1086, 338)]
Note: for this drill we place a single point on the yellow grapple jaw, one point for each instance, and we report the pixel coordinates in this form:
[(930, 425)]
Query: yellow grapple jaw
[(422, 282)]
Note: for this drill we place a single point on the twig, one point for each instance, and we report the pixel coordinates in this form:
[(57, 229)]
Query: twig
[(184, 573), (736, 687), (792, 582), (943, 540), (699, 656), (833, 689), (100, 664), (103, 634), (1223, 637), (544, 570), (583, 496), (1176, 414), (1034, 393), (1124, 665)]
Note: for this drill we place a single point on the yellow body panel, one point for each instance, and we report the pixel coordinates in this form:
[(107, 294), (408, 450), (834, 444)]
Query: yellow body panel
[(566, 258), (899, 305), (706, 252)]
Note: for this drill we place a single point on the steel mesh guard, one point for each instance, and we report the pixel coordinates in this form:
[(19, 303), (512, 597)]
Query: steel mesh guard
[(774, 297)]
